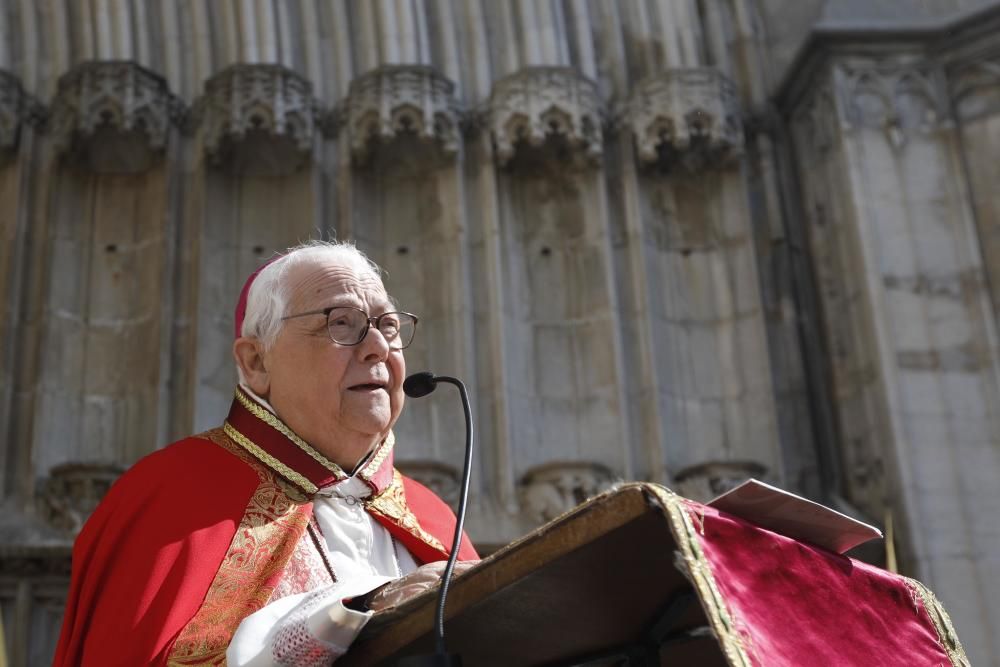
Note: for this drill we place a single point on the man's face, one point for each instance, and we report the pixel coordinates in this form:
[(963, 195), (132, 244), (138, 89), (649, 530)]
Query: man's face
[(341, 399)]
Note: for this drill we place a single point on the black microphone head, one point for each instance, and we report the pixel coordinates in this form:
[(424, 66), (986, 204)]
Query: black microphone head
[(419, 384)]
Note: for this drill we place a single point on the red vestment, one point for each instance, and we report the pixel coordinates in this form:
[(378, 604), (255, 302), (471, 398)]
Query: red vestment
[(196, 536)]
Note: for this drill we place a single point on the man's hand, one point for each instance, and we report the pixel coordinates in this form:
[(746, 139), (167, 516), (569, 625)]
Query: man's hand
[(423, 578)]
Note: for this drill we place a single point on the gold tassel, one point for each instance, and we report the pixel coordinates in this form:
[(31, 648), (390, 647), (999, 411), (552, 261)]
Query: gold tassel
[(3, 644), (890, 545)]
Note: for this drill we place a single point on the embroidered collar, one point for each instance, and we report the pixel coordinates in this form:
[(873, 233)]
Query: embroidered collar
[(270, 441)]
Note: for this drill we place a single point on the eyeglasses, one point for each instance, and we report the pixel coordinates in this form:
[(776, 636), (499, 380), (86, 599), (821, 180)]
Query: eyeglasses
[(349, 326)]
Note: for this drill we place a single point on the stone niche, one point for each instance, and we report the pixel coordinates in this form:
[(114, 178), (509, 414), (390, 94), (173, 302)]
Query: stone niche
[(113, 116), (397, 101), (16, 109), (258, 120), (550, 490), (685, 117), (546, 109)]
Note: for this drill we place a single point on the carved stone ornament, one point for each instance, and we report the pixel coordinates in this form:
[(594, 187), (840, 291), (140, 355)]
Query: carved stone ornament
[(72, 492), (258, 119), (113, 116), (397, 100), (686, 116), (705, 481), (975, 89), (16, 108), (440, 478), (551, 106), (898, 99), (815, 121), (555, 488), (42, 561)]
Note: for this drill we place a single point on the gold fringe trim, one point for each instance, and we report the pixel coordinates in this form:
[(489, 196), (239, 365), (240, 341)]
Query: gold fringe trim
[(272, 421), (269, 460), (734, 644), (391, 503), (369, 469), (269, 530), (947, 636)]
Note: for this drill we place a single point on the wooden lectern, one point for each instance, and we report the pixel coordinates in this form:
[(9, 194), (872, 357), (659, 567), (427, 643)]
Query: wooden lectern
[(641, 576)]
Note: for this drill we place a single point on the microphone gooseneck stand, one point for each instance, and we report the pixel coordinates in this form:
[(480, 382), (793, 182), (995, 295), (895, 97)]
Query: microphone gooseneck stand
[(415, 386)]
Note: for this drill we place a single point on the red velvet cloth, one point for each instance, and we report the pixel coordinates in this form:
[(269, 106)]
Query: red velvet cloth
[(801, 605)]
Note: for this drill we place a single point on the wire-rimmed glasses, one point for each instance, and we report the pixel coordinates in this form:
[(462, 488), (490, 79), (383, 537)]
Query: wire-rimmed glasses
[(347, 325)]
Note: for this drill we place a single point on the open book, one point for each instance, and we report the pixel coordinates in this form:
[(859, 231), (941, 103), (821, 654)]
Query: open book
[(794, 516)]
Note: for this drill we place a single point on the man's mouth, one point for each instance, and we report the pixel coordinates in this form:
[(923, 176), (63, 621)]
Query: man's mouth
[(369, 386)]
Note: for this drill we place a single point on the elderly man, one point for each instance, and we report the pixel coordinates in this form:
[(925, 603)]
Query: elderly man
[(256, 542)]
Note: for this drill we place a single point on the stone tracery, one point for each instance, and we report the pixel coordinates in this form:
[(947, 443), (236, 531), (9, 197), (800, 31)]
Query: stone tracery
[(402, 99), (537, 104), (101, 101), (686, 116), (268, 108)]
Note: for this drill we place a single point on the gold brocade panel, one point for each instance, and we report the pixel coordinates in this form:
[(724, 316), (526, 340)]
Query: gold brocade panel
[(266, 538)]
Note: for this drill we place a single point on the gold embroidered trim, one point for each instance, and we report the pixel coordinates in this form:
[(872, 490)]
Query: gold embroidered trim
[(372, 467), (947, 637), (272, 421), (391, 503), (269, 460), (734, 643), (266, 538)]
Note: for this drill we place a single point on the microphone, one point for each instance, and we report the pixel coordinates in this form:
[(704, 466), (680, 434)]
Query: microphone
[(416, 386), (420, 384)]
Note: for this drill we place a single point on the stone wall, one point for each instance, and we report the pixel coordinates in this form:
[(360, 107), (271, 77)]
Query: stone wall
[(890, 138), (649, 259)]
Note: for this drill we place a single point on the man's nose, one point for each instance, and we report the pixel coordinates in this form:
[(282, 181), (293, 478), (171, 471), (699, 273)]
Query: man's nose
[(374, 345)]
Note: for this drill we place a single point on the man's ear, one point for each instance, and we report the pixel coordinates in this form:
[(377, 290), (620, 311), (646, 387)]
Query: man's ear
[(249, 355)]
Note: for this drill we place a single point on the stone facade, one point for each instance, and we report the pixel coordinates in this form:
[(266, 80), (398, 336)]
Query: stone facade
[(656, 244)]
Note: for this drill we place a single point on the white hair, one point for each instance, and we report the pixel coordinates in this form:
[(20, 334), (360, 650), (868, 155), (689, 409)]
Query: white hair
[(269, 294)]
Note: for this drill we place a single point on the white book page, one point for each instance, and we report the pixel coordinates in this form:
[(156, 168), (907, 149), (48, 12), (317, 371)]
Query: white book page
[(794, 516)]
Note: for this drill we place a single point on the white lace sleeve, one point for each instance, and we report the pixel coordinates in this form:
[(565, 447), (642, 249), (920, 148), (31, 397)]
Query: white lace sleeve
[(305, 630)]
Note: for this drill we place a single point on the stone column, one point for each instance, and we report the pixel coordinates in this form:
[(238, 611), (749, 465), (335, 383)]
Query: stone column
[(88, 308), (908, 318), (107, 271), (701, 361), (20, 118), (408, 213), (563, 377), (258, 139)]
